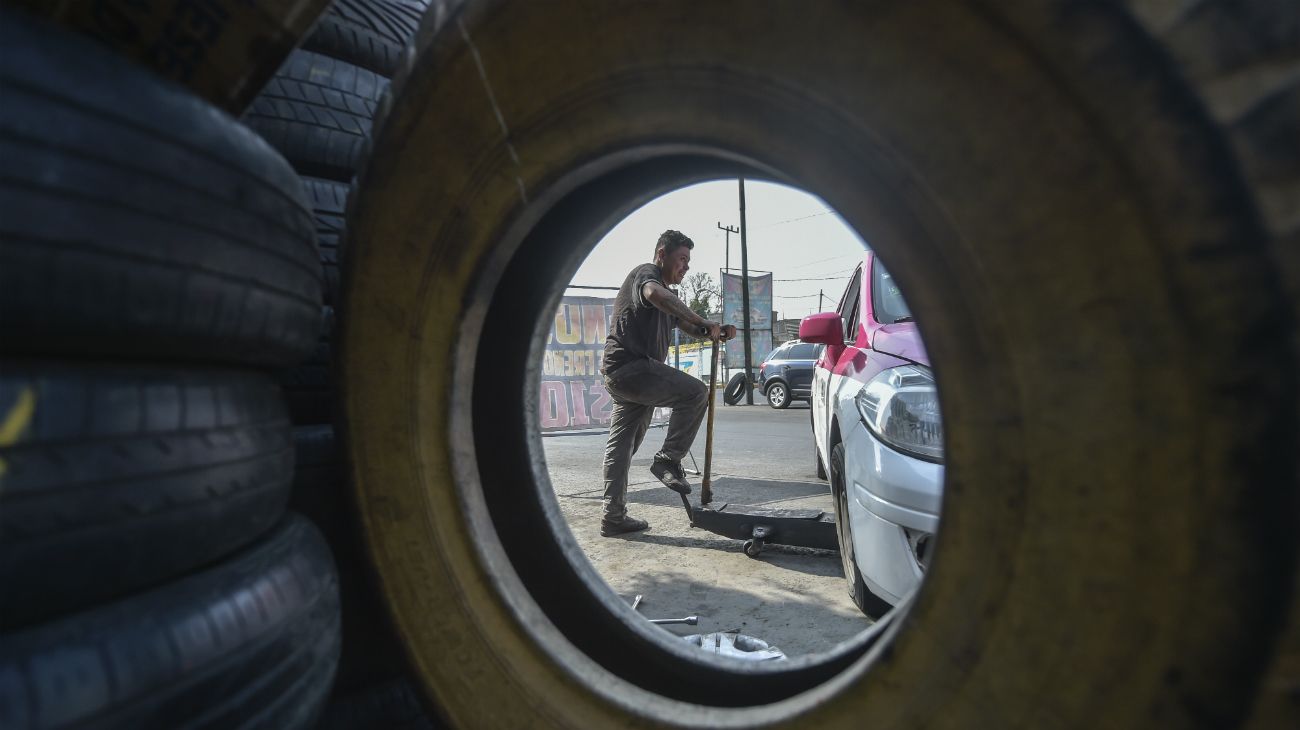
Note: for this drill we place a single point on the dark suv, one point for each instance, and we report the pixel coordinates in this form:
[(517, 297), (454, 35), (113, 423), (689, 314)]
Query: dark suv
[(786, 373)]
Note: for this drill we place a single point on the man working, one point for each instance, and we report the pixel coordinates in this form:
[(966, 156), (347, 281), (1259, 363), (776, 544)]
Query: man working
[(638, 381)]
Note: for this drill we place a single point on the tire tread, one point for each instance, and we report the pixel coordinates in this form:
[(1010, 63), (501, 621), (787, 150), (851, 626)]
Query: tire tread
[(369, 33), (317, 111)]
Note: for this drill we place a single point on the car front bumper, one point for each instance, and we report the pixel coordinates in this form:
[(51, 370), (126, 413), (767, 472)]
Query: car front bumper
[(889, 491)]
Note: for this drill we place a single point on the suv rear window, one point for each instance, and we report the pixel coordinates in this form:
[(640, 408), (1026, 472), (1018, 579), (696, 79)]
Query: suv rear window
[(803, 351)]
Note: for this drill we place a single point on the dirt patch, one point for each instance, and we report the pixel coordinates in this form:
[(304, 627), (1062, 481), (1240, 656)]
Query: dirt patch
[(793, 598)]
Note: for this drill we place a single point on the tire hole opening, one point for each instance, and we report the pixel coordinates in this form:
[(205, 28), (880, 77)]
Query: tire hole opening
[(547, 496)]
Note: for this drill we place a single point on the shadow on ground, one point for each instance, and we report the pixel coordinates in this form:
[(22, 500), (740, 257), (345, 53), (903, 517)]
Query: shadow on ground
[(734, 490), (777, 556)]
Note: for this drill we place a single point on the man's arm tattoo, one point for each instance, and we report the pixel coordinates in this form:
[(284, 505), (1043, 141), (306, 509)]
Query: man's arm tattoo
[(668, 302)]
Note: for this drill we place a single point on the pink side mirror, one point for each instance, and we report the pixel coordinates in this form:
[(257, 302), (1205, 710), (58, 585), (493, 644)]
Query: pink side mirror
[(825, 328)]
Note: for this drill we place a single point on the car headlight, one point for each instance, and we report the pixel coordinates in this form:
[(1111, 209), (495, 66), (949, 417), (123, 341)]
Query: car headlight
[(901, 407)]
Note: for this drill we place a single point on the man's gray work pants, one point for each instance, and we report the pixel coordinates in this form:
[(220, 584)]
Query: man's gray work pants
[(637, 388)]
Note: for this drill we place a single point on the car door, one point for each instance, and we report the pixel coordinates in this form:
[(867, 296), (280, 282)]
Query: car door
[(799, 367), (845, 377), (825, 385), (772, 364)]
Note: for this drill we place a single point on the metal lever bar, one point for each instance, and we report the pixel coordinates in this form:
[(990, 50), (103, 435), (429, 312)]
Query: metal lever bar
[(706, 487)]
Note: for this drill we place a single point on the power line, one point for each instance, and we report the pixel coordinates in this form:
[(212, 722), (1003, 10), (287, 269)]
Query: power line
[(819, 261), (829, 277), (792, 220)]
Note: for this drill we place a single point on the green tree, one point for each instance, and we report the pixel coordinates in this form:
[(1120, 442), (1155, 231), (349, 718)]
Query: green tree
[(700, 293)]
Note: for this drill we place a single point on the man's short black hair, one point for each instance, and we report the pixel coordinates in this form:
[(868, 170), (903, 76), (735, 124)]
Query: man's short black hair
[(671, 240)]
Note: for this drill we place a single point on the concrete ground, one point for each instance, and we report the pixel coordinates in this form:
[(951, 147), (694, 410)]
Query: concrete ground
[(793, 598)]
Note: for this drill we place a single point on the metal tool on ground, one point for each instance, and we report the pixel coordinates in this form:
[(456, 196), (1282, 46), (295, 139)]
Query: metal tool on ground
[(757, 526), (689, 620), (695, 470)]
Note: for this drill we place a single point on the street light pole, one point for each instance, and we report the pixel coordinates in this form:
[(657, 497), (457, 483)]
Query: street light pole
[(744, 295)]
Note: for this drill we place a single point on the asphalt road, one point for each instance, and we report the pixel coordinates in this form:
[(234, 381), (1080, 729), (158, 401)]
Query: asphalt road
[(793, 598)]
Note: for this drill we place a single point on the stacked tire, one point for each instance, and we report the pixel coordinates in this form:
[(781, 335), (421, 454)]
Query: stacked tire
[(158, 264), (317, 111)]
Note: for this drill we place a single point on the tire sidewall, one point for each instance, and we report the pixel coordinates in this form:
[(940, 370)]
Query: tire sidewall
[(769, 109), (782, 395)]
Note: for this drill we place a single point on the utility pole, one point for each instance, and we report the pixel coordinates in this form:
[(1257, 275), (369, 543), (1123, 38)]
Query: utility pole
[(821, 294), (729, 230), (725, 269), (744, 296)]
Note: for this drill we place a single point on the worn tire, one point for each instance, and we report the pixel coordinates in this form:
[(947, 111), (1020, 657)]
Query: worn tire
[(114, 478), (866, 601), (392, 705), (372, 653), (1113, 343), (1243, 59), (222, 50), (372, 34), (817, 454), (249, 643), (135, 220), (309, 387), (734, 392), (328, 200), (317, 112)]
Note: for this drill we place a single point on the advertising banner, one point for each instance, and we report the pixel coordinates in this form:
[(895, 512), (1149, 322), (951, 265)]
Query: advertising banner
[(760, 302), (760, 343), (760, 317), (572, 395)]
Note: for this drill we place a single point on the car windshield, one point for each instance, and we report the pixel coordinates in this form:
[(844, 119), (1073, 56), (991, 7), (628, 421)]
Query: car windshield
[(887, 300)]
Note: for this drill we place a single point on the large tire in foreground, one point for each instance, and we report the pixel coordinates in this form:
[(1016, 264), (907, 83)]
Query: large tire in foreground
[(135, 220), (1243, 58), (249, 643), (1113, 345), (114, 478)]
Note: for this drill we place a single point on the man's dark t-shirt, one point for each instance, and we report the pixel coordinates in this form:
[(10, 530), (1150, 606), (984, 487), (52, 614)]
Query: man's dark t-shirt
[(637, 331)]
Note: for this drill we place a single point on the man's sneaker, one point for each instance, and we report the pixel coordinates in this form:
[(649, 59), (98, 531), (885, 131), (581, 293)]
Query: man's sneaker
[(670, 473), (610, 527)]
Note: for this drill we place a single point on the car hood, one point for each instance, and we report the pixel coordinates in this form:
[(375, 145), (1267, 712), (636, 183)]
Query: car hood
[(900, 340)]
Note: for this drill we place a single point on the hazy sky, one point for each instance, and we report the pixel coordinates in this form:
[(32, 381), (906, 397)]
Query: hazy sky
[(791, 233)]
